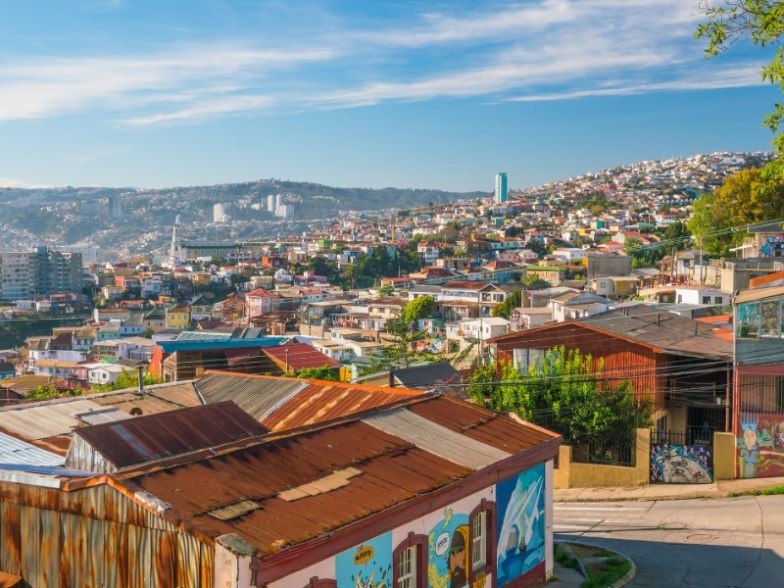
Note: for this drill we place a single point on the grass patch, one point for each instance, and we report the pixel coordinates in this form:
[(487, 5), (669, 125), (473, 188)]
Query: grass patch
[(605, 573), (564, 558), (772, 491)]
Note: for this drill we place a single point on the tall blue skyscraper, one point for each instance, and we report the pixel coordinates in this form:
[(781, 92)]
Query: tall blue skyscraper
[(501, 188)]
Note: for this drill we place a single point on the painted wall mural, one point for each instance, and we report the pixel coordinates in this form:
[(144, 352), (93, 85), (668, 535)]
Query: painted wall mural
[(761, 445), (772, 247), (681, 464), (368, 565), (447, 551), (521, 524)]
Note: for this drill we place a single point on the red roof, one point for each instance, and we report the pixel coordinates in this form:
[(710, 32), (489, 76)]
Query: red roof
[(261, 293), (300, 356)]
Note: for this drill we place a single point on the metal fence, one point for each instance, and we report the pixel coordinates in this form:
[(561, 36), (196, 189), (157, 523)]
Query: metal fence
[(691, 436), (616, 446)]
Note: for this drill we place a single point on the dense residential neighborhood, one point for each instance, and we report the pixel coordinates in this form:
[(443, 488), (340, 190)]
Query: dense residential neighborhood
[(425, 379)]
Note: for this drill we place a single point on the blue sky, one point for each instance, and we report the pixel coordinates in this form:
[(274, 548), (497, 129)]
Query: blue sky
[(362, 93)]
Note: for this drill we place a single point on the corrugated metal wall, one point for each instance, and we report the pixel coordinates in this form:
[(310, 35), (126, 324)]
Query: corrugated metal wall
[(95, 537)]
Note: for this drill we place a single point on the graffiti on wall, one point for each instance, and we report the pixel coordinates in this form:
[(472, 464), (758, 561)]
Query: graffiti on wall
[(681, 464), (761, 445), (521, 528), (368, 565), (773, 247), (447, 551)]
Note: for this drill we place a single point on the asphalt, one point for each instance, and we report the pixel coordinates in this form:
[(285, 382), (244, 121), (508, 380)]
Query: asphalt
[(567, 578)]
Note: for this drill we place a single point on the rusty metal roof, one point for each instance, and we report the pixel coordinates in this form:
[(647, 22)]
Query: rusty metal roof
[(300, 356), (266, 490), (148, 438), (288, 403)]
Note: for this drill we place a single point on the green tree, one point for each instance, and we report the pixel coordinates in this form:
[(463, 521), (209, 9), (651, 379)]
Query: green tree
[(127, 379), (386, 290), (761, 22), (47, 391), (418, 308), (504, 309), (534, 282), (562, 392), (320, 373)]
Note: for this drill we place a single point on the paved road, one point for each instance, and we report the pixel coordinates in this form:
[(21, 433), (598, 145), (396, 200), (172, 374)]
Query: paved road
[(722, 542)]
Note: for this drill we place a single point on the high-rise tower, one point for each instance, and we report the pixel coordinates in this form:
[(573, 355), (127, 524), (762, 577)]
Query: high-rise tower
[(174, 253), (501, 188)]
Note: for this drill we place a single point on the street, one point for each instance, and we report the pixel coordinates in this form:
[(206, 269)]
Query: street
[(722, 542)]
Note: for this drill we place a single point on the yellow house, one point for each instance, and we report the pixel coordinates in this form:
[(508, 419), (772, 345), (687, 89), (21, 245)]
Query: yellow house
[(200, 278), (178, 317)]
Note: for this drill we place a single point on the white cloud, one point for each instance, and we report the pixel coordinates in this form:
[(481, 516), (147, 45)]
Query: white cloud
[(578, 46)]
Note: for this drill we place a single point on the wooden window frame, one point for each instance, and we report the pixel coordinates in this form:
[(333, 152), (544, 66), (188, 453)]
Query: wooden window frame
[(489, 508), (420, 543)]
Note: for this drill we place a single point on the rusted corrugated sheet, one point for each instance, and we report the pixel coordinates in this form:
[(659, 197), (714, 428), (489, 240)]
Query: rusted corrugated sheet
[(148, 438), (392, 471), (300, 356), (95, 537), (323, 401), (496, 430), (44, 420)]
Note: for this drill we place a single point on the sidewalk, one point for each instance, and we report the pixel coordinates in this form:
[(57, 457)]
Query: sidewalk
[(666, 491)]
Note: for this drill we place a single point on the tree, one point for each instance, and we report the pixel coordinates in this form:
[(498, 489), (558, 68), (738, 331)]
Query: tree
[(504, 309), (47, 391), (562, 391), (386, 290), (127, 379), (324, 372), (534, 282), (760, 21), (418, 308)]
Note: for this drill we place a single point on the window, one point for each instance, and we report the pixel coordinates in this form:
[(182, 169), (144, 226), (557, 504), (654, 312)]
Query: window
[(482, 541), (706, 299), (409, 569), (479, 541)]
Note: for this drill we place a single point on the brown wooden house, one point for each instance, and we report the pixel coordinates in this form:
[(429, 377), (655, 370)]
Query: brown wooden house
[(681, 365)]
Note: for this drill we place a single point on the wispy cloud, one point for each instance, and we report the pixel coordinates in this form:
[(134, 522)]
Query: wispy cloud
[(542, 50)]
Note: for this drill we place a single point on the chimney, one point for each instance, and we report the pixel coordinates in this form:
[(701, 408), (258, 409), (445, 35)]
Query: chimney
[(391, 377), (140, 370)]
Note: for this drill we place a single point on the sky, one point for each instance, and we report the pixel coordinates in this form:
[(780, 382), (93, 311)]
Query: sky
[(410, 94)]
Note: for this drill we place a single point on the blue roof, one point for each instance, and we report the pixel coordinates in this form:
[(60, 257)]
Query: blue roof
[(199, 345)]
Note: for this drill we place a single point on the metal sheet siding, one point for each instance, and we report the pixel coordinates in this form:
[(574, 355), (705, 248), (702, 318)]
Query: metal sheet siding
[(437, 439), (95, 537)]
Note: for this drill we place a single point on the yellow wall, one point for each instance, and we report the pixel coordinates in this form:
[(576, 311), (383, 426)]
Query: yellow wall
[(588, 475), (723, 456)]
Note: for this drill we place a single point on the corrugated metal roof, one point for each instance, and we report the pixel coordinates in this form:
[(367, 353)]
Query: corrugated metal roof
[(258, 396), (300, 356), (46, 419), (17, 452), (322, 401), (255, 488), (156, 436), (436, 439)]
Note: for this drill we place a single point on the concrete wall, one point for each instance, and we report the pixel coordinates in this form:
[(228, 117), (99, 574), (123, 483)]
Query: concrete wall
[(589, 475)]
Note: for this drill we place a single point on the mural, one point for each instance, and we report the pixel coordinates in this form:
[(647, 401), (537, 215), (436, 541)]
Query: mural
[(447, 552), (681, 464), (773, 247), (368, 565), (521, 518), (761, 445)]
